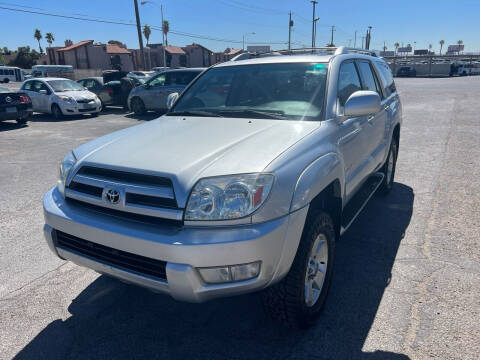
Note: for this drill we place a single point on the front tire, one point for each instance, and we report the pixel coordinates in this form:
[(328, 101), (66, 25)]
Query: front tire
[(298, 299), (57, 112), (389, 169), (138, 106)]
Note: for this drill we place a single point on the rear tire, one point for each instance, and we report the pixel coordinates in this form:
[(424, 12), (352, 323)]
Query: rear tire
[(57, 112), (388, 169), (93, 115), (138, 106), (298, 299), (6, 81)]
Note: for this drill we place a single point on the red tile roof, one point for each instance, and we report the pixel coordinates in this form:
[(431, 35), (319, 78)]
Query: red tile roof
[(76, 45), (115, 49), (174, 50)]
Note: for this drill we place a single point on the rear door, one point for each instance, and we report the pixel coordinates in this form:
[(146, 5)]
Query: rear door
[(376, 129), (43, 100), (30, 89), (152, 95)]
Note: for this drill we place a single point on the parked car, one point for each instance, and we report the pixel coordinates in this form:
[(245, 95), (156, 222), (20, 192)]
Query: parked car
[(407, 71), (61, 97), (14, 106), (244, 185), (153, 94), (141, 74)]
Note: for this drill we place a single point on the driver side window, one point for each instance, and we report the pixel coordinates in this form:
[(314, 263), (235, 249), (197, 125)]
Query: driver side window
[(348, 83), (158, 81)]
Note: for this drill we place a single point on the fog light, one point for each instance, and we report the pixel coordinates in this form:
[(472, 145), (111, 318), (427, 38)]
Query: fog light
[(225, 274), (245, 271)]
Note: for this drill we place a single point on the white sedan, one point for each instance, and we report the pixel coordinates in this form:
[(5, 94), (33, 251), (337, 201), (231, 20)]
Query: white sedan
[(61, 97)]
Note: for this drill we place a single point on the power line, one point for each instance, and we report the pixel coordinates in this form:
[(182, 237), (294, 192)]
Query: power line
[(179, 33)]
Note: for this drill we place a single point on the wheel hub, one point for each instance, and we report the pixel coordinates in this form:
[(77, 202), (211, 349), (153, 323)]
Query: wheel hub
[(316, 270)]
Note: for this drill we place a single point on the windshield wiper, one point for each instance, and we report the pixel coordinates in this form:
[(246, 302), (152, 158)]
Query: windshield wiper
[(193, 113), (274, 114)]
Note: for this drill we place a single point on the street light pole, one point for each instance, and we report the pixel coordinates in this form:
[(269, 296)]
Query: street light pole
[(314, 2), (163, 33), (244, 37)]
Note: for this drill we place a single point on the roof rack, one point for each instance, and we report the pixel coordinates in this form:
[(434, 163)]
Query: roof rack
[(327, 50)]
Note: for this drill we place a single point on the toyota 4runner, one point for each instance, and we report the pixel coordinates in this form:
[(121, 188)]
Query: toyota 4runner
[(244, 185)]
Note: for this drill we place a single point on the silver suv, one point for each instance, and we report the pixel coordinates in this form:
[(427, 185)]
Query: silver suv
[(244, 185)]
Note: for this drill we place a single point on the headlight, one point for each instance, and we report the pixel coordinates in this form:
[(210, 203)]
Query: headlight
[(228, 197), (67, 98), (68, 161)]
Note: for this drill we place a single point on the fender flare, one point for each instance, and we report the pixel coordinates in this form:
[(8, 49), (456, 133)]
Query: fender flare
[(316, 177)]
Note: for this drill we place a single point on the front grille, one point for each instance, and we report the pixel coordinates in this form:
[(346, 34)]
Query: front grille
[(142, 197), (87, 189), (123, 215), (85, 101), (124, 176), (107, 255)]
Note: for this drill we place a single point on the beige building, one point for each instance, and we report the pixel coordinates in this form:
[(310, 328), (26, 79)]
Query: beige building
[(227, 55), (198, 55)]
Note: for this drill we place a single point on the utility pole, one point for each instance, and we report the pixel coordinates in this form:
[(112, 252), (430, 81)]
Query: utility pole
[(331, 39), (314, 2), (290, 25), (139, 30), (355, 42), (368, 37)]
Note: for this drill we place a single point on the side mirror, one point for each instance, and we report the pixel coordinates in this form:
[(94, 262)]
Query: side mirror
[(85, 88), (362, 103), (171, 99), (43, 91)]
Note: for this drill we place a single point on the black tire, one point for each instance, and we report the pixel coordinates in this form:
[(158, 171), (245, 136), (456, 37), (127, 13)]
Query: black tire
[(57, 112), (389, 176), (138, 106), (21, 121), (102, 106), (286, 301), (93, 115), (6, 81)]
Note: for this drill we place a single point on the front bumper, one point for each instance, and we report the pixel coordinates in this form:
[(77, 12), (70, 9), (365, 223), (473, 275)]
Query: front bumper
[(185, 249), (77, 109)]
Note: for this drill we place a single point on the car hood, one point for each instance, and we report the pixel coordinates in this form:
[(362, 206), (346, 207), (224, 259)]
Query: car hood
[(186, 149)]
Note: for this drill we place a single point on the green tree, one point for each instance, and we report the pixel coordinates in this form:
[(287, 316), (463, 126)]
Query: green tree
[(38, 35), (441, 42), (166, 29), (146, 32), (397, 45), (117, 42), (25, 58), (50, 38), (459, 42)]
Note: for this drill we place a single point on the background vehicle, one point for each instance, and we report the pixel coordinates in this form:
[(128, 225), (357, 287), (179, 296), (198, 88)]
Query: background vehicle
[(468, 69), (10, 73), (61, 97), (141, 74), (407, 71), (244, 185), (40, 71), (14, 106), (153, 94)]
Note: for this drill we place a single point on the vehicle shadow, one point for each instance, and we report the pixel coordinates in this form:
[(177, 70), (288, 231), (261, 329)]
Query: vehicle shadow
[(11, 125), (113, 320), (147, 116), (43, 117)]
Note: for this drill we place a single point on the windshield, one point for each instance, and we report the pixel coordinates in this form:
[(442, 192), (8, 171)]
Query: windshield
[(65, 85), (288, 91)]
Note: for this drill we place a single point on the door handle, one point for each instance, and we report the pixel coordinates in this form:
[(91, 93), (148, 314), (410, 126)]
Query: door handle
[(370, 118), (387, 107)]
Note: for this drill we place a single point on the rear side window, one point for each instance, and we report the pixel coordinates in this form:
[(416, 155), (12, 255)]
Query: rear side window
[(27, 85), (387, 78), (348, 83), (368, 78)]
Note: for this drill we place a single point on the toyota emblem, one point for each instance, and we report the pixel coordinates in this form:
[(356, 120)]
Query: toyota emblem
[(8, 99), (112, 196)]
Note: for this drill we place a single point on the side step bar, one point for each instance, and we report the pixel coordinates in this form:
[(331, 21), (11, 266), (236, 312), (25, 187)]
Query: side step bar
[(359, 200)]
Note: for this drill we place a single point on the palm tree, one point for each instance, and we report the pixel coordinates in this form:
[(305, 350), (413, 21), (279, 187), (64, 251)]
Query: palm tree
[(397, 45), (430, 46), (50, 38), (146, 32), (459, 42), (441, 42), (384, 47), (38, 35), (409, 46), (166, 29)]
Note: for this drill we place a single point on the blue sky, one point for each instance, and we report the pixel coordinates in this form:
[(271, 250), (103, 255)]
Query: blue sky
[(406, 21)]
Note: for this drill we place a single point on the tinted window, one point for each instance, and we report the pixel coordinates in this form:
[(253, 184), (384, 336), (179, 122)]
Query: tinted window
[(10, 72), (387, 78), (1, 72), (348, 83), (368, 78), (180, 77)]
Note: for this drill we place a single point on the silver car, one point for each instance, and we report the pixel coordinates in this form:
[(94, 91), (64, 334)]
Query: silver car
[(153, 94), (244, 185)]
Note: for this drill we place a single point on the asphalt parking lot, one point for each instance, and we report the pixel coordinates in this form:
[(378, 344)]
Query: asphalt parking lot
[(406, 281)]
